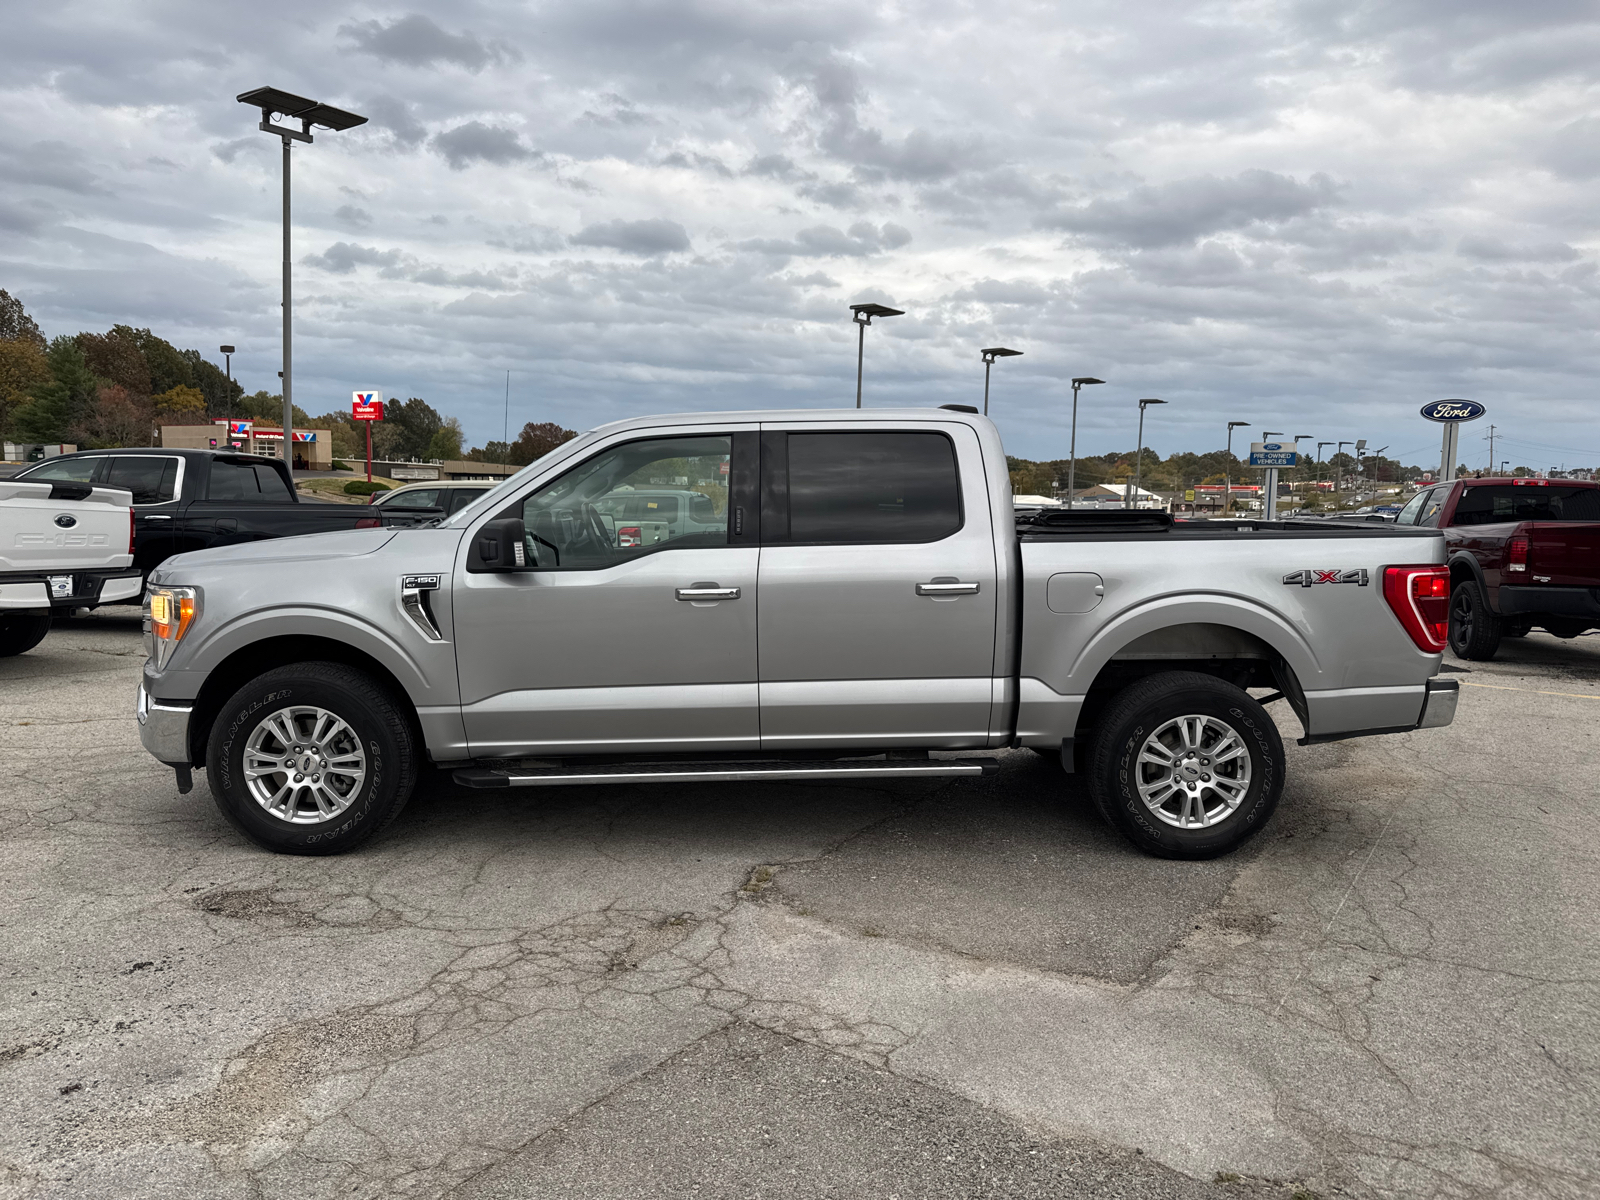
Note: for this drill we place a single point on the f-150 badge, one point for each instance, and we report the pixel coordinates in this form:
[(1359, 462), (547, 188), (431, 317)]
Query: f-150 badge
[(1308, 578)]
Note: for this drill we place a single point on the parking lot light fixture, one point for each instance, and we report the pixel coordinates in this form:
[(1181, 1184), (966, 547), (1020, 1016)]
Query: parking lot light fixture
[(988, 361), (309, 113), (1082, 381), (862, 316), (1138, 458), (227, 368), (1227, 475)]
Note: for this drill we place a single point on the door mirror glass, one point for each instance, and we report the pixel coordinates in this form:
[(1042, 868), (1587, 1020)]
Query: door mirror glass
[(630, 500)]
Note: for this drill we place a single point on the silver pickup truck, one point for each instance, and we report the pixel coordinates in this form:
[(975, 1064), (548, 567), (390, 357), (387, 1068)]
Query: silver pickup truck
[(868, 597)]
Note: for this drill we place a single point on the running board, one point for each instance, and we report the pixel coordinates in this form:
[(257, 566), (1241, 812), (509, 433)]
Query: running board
[(490, 777)]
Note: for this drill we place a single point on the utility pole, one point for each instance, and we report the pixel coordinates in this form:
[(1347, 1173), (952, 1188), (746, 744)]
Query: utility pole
[(1491, 449), (1227, 470)]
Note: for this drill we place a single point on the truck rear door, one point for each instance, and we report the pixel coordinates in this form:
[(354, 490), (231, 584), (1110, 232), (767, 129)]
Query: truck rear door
[(876, 622), (155, 481)]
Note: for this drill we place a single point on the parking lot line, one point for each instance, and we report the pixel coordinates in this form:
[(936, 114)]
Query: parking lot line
[(1500, 687)]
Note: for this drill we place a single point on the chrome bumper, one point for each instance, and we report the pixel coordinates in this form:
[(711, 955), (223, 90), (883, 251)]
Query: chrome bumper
[(1439, 709), (164, 729)]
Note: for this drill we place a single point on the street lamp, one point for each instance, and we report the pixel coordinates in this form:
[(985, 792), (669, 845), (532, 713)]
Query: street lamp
[(290, 107), (1138, 458), (863, 317), (1227, 468), (1338, 478), (988, 361), (227, 359), (1081, 381)]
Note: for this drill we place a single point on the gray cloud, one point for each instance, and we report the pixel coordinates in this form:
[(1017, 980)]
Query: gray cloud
[(1492, 249), (396, 118), (351, 215), (1574, 149), (1191, 208), (342, 258), (477, 142), (416, 41), (645, 238), (826, 241)]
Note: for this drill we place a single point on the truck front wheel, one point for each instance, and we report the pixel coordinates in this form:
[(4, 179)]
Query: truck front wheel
[(1186, 766), (1475, 630), (19, 634), (311, 758)]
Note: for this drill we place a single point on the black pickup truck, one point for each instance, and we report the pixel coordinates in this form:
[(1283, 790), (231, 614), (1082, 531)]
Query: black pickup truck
[(195, 499)]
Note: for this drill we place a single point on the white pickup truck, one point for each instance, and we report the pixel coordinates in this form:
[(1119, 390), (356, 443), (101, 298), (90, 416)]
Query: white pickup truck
[(865, 605), (63, 546)]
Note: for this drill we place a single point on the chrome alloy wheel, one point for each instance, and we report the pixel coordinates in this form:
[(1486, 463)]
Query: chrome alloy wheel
[(1193, 772), (304, 765)]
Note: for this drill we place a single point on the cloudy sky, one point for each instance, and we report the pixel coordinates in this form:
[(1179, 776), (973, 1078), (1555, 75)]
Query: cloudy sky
[(1309, 215)]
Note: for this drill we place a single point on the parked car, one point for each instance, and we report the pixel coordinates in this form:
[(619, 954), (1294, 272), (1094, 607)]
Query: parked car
[(63, 546), (186, 500), (866, 596), (1522, 553), (451, 495)]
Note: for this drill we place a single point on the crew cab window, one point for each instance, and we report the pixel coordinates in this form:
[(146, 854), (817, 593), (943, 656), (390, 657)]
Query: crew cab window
[(630, 500), (73, 470), (151, 479), (872, 487), (1502, 504), (247, 483), (1413, 509)]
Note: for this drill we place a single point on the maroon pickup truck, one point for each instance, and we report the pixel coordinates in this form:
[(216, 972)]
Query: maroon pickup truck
[(1523, 552)]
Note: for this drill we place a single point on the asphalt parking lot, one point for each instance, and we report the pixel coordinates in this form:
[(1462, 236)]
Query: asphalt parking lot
[(929, 989)]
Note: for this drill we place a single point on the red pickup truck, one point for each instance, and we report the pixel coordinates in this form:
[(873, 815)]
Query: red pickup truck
[(1523, 552)]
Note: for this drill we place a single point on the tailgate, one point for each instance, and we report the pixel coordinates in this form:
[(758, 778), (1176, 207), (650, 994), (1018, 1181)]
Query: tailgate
[(1564, 553), (64, 527)]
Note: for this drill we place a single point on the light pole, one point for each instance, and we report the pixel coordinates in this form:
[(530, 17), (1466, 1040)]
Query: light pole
[(1081, 381), (1298, 438), (290, 107), (1338, 476), (1227, 468), (863, 317), (1138, 459), (227, 359), (988, 361)]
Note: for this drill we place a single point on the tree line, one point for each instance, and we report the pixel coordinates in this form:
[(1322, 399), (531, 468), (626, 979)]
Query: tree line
[(1187, 469), (101, 390)]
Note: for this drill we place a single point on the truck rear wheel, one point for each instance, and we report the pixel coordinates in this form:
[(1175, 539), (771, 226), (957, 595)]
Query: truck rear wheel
[(1475, 630), (1185, 765), (20, 633), (311, 758)]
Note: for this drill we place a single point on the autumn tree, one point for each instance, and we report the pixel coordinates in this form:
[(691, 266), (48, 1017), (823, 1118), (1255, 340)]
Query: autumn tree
[(61, 405), (117, 418), (115, 356), (181, 405), (23, 368), (15, 323)]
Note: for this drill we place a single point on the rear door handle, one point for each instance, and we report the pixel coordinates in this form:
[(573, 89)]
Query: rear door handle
[(155, 517), (707, 591), (943, 588)]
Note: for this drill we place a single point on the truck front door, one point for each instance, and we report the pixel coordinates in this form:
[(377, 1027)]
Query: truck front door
[(617, 644), (877, 622)]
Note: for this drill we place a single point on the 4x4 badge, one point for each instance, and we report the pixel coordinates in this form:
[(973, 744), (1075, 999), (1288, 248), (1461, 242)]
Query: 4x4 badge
[(1307, 578)]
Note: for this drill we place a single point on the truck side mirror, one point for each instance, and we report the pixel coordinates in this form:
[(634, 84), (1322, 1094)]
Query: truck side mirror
[(500, 545)]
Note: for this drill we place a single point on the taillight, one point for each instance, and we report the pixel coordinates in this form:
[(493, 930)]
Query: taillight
[(629, 536), (370, 523), (1420, 598), (130, 531), (1517, 553)]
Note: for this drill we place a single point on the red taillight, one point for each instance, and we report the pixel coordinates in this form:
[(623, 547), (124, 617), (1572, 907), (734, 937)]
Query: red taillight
[(1517, 553), (130, 531), (370, 523), (1420, 598), (629, 536)]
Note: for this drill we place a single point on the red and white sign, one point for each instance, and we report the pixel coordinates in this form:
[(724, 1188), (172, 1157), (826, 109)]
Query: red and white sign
[(366, 406)]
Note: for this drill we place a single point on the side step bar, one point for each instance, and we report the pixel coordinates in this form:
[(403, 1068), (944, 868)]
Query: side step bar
[(492, 777)]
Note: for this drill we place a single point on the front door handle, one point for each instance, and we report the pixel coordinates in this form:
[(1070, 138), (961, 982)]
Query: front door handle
[(942, 587), (707, 591)]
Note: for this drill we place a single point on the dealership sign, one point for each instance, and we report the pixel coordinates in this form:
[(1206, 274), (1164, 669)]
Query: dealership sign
[(366, 406), (1448, 411), (1273, 454)]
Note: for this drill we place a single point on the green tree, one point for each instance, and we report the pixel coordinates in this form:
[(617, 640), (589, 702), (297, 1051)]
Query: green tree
[(116, 357), (181, 405), (15, 323), (445, 445), (60, 406), (222, 394), (168, 366), (23, 368), (411, 425)]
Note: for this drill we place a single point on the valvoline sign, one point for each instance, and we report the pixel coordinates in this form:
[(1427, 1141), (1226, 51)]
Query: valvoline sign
[(366, 406), (1453, 410)]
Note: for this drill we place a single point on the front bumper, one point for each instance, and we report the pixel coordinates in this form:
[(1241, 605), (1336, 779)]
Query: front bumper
[(1550, 601), (164, 728)]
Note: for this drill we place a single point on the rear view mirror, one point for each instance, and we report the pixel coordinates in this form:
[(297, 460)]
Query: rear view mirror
[(500, 545)]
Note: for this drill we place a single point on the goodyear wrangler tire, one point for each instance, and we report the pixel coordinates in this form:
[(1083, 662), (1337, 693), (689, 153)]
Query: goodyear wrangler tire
[(311, 758), (1186, 766)]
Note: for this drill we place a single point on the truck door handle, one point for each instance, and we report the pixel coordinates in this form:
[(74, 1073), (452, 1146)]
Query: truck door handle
[(155, 517), (947, 587), (226, 525), (707, 591)]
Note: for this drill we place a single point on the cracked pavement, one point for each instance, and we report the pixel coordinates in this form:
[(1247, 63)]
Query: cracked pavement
[(955, 988)]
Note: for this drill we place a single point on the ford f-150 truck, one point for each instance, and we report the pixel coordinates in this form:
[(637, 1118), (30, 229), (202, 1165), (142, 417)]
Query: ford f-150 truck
[(867, 597), (60, 544), (1522, 552), (187, 500)]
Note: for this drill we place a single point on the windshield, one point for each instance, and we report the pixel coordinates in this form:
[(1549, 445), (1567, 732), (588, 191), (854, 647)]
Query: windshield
[(1505, 503)]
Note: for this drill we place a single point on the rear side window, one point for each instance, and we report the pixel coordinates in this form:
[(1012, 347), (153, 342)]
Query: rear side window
[(247, 483), (72, 470), (1503, 504), (872, 487), (152, 480)]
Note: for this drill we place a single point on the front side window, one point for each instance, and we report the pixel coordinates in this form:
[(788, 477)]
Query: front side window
[(630, 500), (880, 488), (1505, 504), (421, 498), (68, 470), (152, 480)]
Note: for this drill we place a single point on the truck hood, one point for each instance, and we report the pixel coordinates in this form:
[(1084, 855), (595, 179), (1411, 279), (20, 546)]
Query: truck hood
[(344, 543)]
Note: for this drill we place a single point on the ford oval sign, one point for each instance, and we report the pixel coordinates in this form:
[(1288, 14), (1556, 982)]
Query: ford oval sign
[(1453, 410)]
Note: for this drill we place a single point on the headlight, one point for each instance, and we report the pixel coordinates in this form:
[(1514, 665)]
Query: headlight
[(168, 614)]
